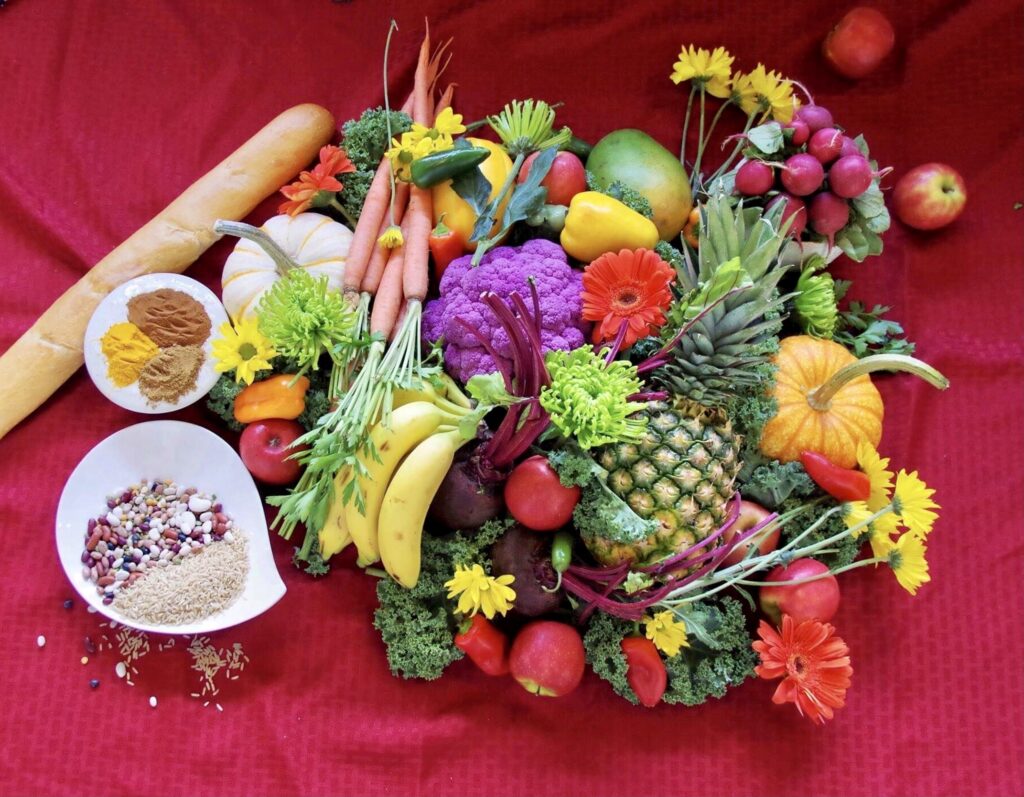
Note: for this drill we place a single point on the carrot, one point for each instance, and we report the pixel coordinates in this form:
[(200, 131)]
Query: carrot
[(379, 258), (419, 220), (388, 300), (421, 111)]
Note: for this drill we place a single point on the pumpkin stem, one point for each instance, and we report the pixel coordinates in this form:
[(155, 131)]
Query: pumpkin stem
[(259, 237), (821, 398)]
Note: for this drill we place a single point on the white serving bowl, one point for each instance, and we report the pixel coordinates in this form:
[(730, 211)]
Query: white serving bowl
[(192, 457), (114, 310)]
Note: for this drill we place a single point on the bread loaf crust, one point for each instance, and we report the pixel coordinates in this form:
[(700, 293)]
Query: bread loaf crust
[(51, 350)]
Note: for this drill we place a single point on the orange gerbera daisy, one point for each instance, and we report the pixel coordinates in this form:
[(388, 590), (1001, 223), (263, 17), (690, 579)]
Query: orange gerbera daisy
[(628, 288), (323, 177), (812, 661)]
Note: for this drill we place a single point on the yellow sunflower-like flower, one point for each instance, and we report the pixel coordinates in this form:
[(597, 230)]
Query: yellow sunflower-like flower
[(479, 592), (767, 92), (907, 560), (876, 469), (666, 632), (242, 348), (392, 237), (448, 123), (912, 501), (854, 514), (880, 539), (710, 69)]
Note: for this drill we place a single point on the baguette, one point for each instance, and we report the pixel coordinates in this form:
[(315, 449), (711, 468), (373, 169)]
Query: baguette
[(51, 350)]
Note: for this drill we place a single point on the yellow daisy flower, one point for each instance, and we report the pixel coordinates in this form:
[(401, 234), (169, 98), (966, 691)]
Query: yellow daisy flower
[(242, 348), (712, 70), (449, 123), (767, 92), (666, 632), (392, 237), (877, 472), (907, 560), (479, 592), (912, 501), (854, 514)]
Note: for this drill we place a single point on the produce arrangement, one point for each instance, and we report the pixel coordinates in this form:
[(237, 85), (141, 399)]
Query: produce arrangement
[(573, 405)]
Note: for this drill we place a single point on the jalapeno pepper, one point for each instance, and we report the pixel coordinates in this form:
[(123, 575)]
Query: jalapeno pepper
[(578, 147), (646, 675), (445, 245), (485, 645), (282, 396), (430, 170), (843, 484), (561, 557)]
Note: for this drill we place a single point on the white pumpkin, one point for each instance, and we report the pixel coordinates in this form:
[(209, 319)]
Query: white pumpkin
[(310, 241)]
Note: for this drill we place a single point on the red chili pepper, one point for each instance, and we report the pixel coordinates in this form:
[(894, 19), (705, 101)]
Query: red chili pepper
[(646, 674), (445, 245), (484, 644), (843, 484)]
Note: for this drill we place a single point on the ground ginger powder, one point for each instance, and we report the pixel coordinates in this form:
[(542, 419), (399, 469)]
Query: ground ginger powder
[(127, 349)]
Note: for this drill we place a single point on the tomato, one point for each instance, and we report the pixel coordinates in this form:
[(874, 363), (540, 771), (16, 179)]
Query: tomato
[(536, 497), (859, 43)]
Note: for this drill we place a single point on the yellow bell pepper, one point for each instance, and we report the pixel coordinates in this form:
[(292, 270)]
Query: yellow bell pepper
[(282, 396), (597, 223), (458, 215)]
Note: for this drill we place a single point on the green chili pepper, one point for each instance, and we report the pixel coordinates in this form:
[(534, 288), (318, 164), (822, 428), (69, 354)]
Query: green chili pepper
[(561, 556), (578, 147), (431, 170)]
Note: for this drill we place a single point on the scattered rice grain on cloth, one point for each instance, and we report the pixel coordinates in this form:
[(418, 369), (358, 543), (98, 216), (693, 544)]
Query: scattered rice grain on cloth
[(203, 584)]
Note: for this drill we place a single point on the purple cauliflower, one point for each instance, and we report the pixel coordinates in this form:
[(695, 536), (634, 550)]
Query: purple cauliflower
[(504, 270)]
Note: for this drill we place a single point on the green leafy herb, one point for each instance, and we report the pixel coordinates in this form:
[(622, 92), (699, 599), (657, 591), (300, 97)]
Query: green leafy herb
[(865, 332), (767, 138)]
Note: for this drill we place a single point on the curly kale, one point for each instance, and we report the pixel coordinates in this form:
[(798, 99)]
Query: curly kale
[(838, 554), (603, 644), (719, 655), (365, 140), (416, 624), (770, 482), (221, 400), (629, 197)]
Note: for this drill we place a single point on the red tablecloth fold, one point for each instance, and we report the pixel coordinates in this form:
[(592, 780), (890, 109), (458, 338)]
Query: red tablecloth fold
[(108, 110)]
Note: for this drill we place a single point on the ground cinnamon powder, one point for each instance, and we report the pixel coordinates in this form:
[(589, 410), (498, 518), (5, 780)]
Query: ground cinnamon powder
[(171, 374), (170, 317)]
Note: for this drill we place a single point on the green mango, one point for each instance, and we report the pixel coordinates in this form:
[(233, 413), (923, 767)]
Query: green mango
[(633, 158)]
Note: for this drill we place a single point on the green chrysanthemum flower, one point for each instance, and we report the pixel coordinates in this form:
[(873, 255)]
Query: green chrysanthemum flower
[(815, 303), (526, 126), (589, 400)]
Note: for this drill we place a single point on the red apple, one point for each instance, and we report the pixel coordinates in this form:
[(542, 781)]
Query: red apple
[(547, 658), (264, 448), (564, 180), (929, 196), (859, 43), (811, 600), (750, 515)]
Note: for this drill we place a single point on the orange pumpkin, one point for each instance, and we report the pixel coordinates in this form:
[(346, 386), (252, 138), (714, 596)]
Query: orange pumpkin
[(802, 423)]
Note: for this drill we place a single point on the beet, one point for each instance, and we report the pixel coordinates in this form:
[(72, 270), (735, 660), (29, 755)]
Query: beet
[(464, 501), (526, 555)]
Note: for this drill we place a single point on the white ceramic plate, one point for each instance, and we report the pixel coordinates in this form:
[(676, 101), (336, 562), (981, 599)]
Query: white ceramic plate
[(114, 310), (192, 457)]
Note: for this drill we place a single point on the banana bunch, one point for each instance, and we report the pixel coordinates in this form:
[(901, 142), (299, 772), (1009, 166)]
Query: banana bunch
[(400, 471)]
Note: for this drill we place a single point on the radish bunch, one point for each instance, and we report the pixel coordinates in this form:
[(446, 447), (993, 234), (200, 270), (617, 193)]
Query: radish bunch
[(816, 171)]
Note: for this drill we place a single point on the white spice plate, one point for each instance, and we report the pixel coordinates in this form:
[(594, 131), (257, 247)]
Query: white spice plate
[(192, 457), (114, 310)]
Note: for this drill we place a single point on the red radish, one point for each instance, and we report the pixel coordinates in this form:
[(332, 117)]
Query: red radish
[(828, 214), (814, 116), (849, 148), (826, 144), (794, 209), (801, 132), (859, 43), (850, 176), (754, 178), (817, 598), (803, 174)]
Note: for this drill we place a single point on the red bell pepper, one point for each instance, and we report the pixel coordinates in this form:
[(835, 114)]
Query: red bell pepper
[(843, 484), (646, 674), (484, 644), (445, 245)]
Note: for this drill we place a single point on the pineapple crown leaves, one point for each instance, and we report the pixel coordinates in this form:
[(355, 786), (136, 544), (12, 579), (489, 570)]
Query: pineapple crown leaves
[(588, 398)]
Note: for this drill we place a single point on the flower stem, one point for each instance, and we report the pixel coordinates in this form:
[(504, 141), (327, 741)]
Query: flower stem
[(686, 125), (727, 163), (700, 139), (341, 209), (836, 572), (821, 398), (387, 119), (240, 229)]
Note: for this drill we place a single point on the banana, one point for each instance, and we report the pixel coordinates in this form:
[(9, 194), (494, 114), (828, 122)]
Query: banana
[(408, 426), (334, 536), (453, 393), (406, 502), (403, 396)]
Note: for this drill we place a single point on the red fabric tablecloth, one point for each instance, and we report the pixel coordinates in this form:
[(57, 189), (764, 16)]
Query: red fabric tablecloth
[(108, 110)]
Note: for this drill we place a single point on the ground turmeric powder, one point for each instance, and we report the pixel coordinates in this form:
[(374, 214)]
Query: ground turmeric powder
[(127, 349)]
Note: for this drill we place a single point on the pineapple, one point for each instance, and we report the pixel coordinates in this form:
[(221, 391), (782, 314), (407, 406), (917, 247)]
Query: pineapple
[(680, 474)]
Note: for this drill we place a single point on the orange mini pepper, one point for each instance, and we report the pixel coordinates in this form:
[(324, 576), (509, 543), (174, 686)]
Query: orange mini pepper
[(281, 396)]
